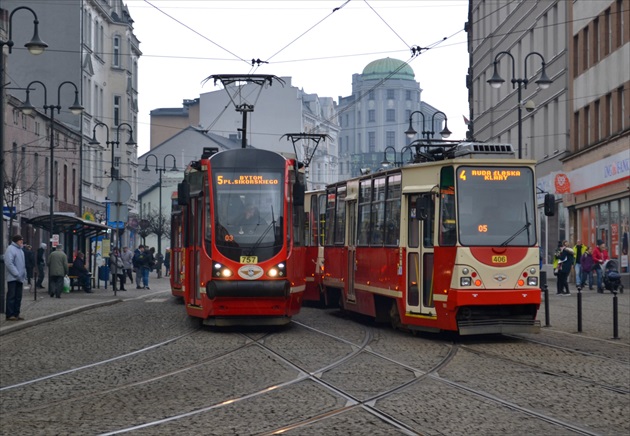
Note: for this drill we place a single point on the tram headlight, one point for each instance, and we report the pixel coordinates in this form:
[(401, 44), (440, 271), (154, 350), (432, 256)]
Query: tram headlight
[(278, 270), (221, 271), (465, 281), (532, 281)]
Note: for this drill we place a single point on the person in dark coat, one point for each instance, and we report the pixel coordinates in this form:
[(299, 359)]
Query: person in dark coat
[(167, 261), (29, 258), (565, 264), (79, 270), (41, 265)]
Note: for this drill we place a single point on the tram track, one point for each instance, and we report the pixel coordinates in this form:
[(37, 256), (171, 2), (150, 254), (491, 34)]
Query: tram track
[(271, 344)]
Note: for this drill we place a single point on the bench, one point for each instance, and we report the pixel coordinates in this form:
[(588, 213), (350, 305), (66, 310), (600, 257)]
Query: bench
[(74, 283)]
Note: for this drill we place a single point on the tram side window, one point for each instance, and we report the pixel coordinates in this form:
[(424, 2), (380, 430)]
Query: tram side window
[(392, 210), (340, 216), (448, 221), (429, 222), (365, 197), (377, 221), (299, 226), (330, 215)]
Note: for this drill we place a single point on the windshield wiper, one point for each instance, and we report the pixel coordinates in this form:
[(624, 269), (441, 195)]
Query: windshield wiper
[(519, 231), (271, 225)]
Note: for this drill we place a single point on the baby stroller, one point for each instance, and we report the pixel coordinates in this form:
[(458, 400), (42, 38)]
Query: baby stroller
[(612, 278)]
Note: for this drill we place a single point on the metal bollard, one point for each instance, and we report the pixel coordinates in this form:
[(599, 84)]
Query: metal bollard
[(545, 289), (579, 310), (615, 316)]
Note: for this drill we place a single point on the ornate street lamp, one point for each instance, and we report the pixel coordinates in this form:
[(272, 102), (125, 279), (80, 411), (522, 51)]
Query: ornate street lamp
[(496, 81)]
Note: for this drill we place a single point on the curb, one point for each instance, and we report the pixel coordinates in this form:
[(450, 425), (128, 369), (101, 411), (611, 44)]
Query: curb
[(25, 324)]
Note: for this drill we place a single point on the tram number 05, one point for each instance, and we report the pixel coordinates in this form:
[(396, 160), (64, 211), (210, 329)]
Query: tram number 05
[(482, 228)]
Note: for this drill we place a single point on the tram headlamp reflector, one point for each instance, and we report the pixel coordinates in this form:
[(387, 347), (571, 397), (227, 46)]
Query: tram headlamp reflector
[(465, 281), (465, 271), (532, 270), (217, 266), (532, 281)]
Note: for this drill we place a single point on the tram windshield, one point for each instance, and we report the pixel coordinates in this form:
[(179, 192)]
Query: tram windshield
[(248, 213), (496, 206)]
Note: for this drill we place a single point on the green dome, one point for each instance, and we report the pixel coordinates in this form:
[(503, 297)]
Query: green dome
[(382, 68)]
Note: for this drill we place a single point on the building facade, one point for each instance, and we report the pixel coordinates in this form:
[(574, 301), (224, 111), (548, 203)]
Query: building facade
[(377, 114), (577, 128), (91, 44)]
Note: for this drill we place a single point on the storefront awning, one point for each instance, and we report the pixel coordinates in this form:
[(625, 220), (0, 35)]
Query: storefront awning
[(70, 224)]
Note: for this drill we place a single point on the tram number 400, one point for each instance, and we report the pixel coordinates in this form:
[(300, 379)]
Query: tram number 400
[(499, 259)]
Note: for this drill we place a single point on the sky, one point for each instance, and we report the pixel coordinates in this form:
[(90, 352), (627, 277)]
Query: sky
[(320, 44)]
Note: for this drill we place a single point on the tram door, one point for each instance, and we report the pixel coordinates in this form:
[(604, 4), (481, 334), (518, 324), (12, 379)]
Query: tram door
[(352, 249), (420, 210), (196, 241)]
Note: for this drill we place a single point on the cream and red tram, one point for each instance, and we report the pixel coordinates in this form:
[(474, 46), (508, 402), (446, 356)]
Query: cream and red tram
[(446, 245)]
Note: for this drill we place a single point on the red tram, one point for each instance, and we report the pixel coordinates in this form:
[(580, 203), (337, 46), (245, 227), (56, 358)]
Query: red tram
[(176, 268), (444, 245), (242, 237)]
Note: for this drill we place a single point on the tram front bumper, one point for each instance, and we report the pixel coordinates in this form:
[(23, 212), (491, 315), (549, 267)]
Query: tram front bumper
[(248, 289)]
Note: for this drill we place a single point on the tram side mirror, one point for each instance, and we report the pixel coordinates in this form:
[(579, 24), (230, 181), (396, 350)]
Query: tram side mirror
[(550, 205), (298, 194), (422, 207), (183, 193)]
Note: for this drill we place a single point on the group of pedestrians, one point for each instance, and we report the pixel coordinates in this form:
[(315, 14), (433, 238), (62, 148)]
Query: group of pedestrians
[(21, 262), (583, 261)]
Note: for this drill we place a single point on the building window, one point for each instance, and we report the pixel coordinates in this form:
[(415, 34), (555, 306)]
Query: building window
[(74, 186), (391, 94), (116, 110), (36, 173), (371, 95), (390, 115), (390, 138), (359, 117), (371, 116), (65, 183), (371, 142), (408, 95), (37, 128), (116, 51)]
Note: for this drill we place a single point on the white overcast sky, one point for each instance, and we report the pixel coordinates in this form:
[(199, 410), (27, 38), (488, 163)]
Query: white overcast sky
[(184, 42)]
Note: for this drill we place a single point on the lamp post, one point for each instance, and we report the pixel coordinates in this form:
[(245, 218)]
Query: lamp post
[(428, 134), (496, 81), (76, 108), (115, 174), (35, 46), (160, 171)]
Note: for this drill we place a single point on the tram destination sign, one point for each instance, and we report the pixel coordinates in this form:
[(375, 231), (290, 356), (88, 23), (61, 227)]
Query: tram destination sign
[(247, 180), (489, 174)]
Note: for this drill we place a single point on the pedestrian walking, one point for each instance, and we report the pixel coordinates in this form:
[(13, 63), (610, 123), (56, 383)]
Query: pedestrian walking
[(29, 259), (159, 261), (565, 264), (117, 268), (58, 269), (15, 272), (138, 257), (147, 264), (600, 256), (578, 251), (588, 264), (41, 265), (167, 261), (127, 258)]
